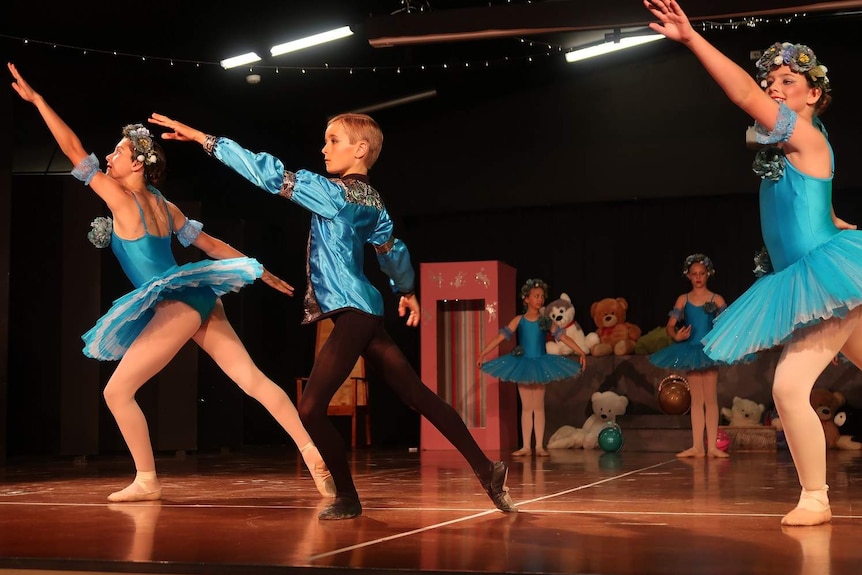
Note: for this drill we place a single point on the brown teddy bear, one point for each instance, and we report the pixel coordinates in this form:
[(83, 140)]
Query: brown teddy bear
[(616, 336), (825, 404)]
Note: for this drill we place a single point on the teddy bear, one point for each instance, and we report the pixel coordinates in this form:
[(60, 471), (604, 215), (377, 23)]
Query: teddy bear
[(562, 315), (606, 405), (825, 404), (849, 422), (616, 336), (743, 412)]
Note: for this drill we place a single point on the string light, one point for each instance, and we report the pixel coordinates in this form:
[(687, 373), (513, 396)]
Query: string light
[(545, 49)]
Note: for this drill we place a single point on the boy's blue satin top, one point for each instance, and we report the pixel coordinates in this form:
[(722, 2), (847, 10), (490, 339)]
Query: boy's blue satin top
[(346, 213)]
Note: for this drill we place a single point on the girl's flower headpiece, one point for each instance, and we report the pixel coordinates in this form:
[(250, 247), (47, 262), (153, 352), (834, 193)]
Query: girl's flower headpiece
[(142, 141), (533, 283), (698, 258), (797, 57)]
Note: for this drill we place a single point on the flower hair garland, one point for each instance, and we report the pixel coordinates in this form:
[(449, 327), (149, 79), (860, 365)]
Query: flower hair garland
[(797, 57), (698, 258), (531, 284), (142, 141)]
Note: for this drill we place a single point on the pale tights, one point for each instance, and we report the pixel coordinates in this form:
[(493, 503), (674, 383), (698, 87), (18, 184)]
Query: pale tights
[(532, 417), (703, 388), (801, 362), (173, 324)]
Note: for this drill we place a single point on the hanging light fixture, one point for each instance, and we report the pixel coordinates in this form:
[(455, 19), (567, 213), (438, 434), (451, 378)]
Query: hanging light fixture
[(309, 41)]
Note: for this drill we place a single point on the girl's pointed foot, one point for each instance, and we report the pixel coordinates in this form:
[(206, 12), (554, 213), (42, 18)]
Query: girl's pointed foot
[(319, 472), (145, 488)]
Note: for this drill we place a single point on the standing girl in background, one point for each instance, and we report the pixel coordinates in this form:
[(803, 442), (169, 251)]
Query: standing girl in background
[(689, 321), (529, 365), (812, 300)]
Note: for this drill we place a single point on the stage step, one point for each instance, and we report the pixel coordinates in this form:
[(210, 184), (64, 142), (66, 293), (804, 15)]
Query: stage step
[(672, 433), (655, 433)]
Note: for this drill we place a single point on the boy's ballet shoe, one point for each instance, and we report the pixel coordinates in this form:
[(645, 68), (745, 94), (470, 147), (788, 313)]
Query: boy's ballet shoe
[(341, 508), (497, 490), (523, 452), (136, 491), (718, 454), (812, 509), (542, 453), (691, 452)]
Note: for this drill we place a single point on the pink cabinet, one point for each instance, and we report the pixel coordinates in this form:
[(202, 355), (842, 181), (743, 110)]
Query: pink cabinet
[(464, 305)]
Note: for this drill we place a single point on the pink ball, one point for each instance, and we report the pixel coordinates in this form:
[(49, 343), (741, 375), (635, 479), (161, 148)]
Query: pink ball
[(722, 440)]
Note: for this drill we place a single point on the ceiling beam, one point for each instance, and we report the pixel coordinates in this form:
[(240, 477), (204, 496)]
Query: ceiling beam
[(564, 16)]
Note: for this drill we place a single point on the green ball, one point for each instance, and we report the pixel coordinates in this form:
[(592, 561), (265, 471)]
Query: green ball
[(611, 439)]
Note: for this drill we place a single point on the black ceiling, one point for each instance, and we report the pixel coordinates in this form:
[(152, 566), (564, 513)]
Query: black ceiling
[(434, 32)]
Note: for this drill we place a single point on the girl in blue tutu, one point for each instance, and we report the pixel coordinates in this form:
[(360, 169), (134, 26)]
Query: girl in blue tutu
[(529, 365), (688, 322), (171, 304), (810, 300)]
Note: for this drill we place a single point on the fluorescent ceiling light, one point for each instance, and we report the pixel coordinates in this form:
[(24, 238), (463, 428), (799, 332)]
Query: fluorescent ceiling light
[(309, 41), (607, 47), (248, 58)]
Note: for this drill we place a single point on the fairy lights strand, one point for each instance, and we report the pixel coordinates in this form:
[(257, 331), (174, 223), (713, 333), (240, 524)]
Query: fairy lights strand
[(547, 49), (303, 69)]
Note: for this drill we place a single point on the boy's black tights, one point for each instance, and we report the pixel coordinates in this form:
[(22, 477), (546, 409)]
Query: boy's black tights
[(356, 334)]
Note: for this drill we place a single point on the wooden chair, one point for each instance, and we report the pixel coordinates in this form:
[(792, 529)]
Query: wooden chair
[(351, 399)]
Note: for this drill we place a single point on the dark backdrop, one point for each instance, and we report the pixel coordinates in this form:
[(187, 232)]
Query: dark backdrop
[(598, 177)]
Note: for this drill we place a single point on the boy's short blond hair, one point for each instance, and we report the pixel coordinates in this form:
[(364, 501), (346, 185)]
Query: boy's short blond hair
[(362, 127)]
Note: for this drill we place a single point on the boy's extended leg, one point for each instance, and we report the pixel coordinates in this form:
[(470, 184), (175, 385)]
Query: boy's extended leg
[(399, 375)]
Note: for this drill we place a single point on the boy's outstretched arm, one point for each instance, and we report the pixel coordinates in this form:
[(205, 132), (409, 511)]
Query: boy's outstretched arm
[(180, 132)]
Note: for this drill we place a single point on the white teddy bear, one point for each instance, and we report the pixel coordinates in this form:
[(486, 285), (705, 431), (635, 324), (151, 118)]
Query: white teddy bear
[(607, 405), (743, 413), (562, 315)]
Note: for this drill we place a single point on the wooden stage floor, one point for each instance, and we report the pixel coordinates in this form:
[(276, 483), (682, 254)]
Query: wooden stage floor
[(628, 513)]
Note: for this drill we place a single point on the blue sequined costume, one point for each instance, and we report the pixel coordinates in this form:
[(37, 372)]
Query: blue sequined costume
[(816, 267), (150, 265), (688, 355), (534, 365), (347, 213)]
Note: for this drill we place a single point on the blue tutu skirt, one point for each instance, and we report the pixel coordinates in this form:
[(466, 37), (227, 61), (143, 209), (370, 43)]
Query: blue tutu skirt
[(824, 283), (683, 356), (542, 369), (129, 315)]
